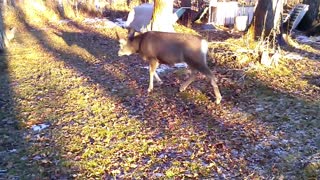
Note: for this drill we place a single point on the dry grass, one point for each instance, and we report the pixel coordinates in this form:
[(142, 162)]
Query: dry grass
[(102, 124)]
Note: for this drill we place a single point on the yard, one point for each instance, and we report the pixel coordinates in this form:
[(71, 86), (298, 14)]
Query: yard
[(70, 108)]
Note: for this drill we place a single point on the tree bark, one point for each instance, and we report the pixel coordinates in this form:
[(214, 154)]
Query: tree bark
[(144, 1), (266, 18), (185, 3), (9, 3), (312, 14), (162, 16), (314, 31), (186, 18), (2, 42)]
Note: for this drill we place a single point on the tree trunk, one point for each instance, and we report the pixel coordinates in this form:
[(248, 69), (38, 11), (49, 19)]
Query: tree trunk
[(314, 31), (266, 18), (162, 16), (144, 1), (9, 3), (2, 31), (312, 14), (185, 3), (186, 17)]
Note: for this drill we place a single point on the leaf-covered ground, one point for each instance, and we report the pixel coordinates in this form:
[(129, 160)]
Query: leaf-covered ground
[(103, 124)]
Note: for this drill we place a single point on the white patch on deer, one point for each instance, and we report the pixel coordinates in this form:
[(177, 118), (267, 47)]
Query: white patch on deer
[(204, 47)]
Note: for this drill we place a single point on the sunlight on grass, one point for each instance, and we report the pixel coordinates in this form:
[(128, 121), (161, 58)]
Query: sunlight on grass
[(90, 113), (96, 142), (102, 124), (287, 76), (36, 12)]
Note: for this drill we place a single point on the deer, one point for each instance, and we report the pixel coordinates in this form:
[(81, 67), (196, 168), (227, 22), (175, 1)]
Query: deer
[(6, 37), (171, 48)]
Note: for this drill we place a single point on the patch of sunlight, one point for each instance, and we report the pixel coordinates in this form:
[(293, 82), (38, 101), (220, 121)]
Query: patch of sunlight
[(10, 17), (36, 12), (88, 128), (38, 5), (81, 98), (82, 52), (59, 43)]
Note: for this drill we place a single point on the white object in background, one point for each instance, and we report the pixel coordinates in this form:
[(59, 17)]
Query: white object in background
[(241, 23), (139, 17), (39, 127)]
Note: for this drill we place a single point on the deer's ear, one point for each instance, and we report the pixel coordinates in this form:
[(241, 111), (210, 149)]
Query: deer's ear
[(122, 41)]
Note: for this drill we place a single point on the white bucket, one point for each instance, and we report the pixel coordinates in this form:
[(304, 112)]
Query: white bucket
[(241, 23)]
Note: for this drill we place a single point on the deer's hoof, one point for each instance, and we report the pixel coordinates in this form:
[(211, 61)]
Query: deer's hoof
[(149, 90), (218, 100), (181, 89)]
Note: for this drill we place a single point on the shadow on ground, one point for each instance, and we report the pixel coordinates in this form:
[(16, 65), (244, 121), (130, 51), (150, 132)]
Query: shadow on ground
[(231, 135)]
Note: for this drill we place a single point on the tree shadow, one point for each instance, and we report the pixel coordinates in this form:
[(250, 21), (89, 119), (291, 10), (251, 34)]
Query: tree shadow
[(229, 129), (206, 120), (314, 80), (304, 53), (13, 145), (143, 107), (154, 110)]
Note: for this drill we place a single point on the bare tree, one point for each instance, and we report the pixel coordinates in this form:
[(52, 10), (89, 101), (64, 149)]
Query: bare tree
[(266, 26), (312, 14), (266, 18), (186, 19), (144, 1), (9, 3), (162, 16)]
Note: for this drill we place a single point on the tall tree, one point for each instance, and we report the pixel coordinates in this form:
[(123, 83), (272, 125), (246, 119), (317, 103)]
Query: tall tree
[(266, 18), (144, 1), (312, 14), (162, 16), (186, 18), (9, 3)]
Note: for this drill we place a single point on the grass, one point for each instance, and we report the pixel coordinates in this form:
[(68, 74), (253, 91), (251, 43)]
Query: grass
[(103, 124)]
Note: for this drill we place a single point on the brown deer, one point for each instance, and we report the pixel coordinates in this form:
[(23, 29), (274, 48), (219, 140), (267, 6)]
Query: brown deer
[(171, 48), (6, 37)]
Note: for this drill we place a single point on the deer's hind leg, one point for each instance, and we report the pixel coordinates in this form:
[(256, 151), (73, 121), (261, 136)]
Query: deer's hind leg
[(157, 77), (191, 78), (206, 71), (216, 90)]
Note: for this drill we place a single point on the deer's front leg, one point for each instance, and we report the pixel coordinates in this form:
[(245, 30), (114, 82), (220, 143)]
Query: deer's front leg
[(152, 72)]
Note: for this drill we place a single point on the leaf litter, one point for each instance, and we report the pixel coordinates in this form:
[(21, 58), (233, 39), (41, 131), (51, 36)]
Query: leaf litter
[(103, 124)]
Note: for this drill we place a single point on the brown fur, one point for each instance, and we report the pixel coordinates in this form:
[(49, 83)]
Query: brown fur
[(170, 48)]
